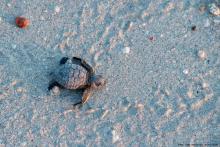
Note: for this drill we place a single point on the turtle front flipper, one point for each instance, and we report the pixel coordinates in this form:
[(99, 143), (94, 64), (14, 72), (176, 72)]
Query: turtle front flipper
[(84, 64), (63, 60), (86, 95)]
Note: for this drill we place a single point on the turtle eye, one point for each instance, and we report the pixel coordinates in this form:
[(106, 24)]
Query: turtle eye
[(98, 81)]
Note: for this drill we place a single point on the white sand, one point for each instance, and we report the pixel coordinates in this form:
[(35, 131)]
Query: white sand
[(163, 78)]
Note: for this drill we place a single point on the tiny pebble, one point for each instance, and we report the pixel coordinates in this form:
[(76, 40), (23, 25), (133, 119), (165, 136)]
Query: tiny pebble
[(8, 4), (97, 55), (42, 18), (24, 144), (186, 71), (190, 93), (202, 54), (62, 46), (193, 28), (182, 106), (125, 109), (19, 90), (92, 50), (115, 136), (14, 83), (151, 38), (168, 112), (140, 106), (144, 24), (69, 34), (97, 64), (213, 9), (67, 112), (173, 49), (57, 9), (205, 85), (45, 11), (185, 36), (126, 50), (167, 92)]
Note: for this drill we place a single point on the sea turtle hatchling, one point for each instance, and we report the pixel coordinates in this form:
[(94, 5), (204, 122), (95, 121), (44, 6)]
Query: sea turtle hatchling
[(75, 73)]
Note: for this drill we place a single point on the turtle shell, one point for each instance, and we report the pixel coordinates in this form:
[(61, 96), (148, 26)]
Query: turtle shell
[(71, 76)]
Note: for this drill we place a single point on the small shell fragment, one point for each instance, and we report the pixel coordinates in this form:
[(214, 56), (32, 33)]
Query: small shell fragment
[(104, 114), (67, 112), (14, 83), (115, 136), (126, 50), (97, 55), (57, 9), (140, 106), (90, 111), (190, 93), (214, 9), (202, 54), (8, 4), (22, 22), (205, 85), (186, 71)]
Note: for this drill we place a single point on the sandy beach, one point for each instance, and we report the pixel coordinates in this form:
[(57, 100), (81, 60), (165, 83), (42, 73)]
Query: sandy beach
[(161, 59)]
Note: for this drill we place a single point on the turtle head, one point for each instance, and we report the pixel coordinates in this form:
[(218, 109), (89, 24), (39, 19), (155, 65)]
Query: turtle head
[(98, 81)]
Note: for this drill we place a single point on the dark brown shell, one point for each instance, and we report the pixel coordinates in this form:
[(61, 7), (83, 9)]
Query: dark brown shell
[(71, 76)]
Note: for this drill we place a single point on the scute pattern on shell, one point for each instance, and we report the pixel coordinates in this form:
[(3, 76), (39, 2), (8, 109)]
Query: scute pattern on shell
[(71, 76)]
